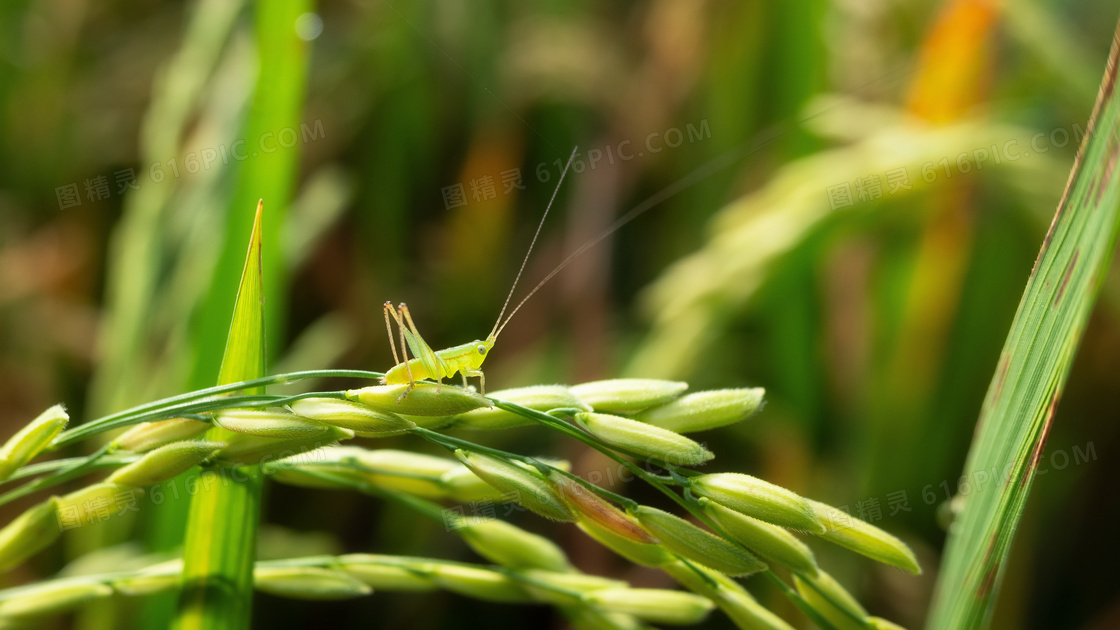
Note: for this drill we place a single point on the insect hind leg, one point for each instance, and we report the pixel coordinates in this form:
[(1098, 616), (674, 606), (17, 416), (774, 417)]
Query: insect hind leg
[(433, 364), (396, 316), (388, 311)]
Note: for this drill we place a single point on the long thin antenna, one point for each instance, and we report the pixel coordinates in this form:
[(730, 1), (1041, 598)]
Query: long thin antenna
[(720, 162), (713, 166), (497, 330)]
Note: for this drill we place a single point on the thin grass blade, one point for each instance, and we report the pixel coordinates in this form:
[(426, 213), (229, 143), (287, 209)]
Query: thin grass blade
[(1019, 408), (220, 545)]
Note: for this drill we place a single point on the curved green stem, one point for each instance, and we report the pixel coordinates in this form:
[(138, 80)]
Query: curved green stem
[(63, 470), (660, 483), (107, 460), (167, 569), (276, 379), (183, 409), (430, 510), (75, 469), (425, 507), (452, 443)]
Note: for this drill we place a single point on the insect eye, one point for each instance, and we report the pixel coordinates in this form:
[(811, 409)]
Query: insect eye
[(481, 349)]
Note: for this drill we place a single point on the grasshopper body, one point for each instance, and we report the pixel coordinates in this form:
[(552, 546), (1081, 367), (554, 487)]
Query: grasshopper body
[(465, 359)]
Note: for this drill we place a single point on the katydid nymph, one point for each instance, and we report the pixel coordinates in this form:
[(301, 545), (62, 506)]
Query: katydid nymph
[(465, 359)]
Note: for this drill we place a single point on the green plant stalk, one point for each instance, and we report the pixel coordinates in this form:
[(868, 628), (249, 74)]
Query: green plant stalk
[(79, 466), (204, 400), (660, 483), (323, 561), (429, 509), (50, 466), (1033, 367), (62, 470), (434, 511), (270, 175), (220, 545), (65, 470), (128, 416), (452, 443), (193, 408)]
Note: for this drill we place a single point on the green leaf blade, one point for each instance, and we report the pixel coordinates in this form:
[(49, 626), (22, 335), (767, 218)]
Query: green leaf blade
[(220, 546), (1022, 399), (244, 356)]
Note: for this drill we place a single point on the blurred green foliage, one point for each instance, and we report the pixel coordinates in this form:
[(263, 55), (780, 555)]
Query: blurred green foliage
[(874, 326)]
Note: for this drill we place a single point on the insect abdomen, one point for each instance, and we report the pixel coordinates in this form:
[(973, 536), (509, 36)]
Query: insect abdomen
[(398, 375)]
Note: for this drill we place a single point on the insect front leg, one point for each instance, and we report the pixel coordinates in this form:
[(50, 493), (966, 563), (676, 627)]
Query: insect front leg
[(481, 379)]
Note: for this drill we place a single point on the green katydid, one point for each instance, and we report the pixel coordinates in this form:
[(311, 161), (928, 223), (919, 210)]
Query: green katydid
[(465, 359)]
